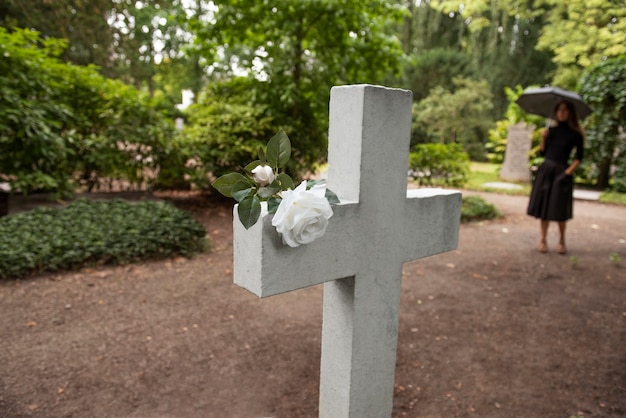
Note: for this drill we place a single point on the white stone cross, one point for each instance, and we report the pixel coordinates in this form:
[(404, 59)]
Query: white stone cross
[(377, 227)]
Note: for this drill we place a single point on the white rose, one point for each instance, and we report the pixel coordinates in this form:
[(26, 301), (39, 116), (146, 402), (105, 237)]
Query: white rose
[(302, 215), (263, 175)]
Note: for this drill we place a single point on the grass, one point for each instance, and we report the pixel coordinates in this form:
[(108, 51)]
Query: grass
[(613, 198), (481, 173)]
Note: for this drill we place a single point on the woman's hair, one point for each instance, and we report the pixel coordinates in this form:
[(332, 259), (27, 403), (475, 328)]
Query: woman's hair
[(572, 118)]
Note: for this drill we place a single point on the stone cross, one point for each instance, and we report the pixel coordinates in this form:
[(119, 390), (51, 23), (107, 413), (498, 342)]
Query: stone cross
[(377, 226)]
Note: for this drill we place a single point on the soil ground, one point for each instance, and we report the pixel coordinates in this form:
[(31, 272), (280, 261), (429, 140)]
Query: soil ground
[(493, 329)]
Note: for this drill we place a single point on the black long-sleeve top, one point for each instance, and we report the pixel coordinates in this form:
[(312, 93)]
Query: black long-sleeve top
[(560, 142)]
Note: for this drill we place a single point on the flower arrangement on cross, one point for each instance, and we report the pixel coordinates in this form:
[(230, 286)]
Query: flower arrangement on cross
[(300, 213)]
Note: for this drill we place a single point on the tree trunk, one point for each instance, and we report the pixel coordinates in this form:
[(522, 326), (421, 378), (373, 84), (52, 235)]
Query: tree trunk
[(604, 174), (407, 29), (4, 204)]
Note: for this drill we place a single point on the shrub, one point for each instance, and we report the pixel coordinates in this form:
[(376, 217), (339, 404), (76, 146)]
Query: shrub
[(33, 138), (88, 232), (439, 163), (475, 208), (498, 136), (59, 120), (603, 86)]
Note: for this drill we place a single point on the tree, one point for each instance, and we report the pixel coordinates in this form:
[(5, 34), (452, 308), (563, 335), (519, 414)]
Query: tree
[(581, 33), (500, 38), (426, 27), (460, 116), (146, 33), (83, 23), (603, 86), (59, 120), (297, 51), (437, 67)]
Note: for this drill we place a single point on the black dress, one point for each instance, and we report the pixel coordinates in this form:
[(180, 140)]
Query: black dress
[(551, 198)]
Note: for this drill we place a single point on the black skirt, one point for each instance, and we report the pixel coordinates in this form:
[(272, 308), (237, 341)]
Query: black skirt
[(551, 198)]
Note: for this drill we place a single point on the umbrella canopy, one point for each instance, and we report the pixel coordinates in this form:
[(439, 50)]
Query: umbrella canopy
[(541, 101)]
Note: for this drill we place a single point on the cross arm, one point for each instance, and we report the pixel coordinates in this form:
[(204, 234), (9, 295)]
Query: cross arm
[(265, 266), (434, 216)]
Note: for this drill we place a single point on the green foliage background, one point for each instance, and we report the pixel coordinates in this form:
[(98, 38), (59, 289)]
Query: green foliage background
[(439, 164), (604, 87), (63, 126), (69, 118)]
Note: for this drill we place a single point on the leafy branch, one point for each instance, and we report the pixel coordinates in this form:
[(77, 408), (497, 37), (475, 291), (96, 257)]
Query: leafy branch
[(262, 181)]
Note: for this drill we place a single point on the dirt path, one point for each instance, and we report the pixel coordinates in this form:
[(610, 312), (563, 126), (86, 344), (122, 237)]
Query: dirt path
[(494, 329)]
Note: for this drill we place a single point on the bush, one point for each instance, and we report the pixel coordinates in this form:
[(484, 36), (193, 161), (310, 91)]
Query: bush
[(64, 126), (439, 163), (475, 208), (498, 136), (89, 232), (603, 86), (33, 138)]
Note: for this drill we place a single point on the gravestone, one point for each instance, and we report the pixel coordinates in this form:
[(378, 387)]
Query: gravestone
[(519, 141), (377, 227)]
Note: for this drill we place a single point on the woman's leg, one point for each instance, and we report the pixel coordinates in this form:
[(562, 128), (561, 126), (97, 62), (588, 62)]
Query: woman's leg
[(562, 249), (543, 246)]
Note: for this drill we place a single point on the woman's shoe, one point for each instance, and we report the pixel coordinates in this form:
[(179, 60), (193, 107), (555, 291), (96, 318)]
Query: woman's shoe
[(561, 249), (543, 248)]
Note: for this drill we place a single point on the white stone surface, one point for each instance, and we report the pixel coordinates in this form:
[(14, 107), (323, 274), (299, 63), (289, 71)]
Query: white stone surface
[(502, 185), (519, 141), (378, 226), (587, 194)]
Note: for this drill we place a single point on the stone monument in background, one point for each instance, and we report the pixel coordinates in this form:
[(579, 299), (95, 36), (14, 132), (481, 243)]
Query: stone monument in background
[(519, 141)]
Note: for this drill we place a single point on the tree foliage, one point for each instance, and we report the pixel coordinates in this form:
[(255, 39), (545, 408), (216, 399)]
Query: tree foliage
[(58, 120), (297, 51), (603, 86), (83, 24), (581, 33), (437, 68), (499, 37), (459, 116)]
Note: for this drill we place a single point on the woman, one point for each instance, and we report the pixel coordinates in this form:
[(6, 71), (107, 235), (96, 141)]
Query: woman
[(552, 194)]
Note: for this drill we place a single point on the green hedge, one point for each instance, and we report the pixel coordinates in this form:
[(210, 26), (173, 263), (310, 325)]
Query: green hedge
[(439, 164), (63, 126), (88, 232), (475, 208)]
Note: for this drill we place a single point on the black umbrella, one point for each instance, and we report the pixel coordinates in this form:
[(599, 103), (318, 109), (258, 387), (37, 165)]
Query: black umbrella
[(541, 101)]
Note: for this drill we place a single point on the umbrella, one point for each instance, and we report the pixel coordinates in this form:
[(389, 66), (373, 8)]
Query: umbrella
[(541, 101)]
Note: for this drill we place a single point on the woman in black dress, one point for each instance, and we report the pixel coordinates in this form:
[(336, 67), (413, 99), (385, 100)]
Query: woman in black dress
[(552, 194)]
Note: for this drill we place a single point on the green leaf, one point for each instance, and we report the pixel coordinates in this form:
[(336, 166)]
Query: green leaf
[(254, 164), (249, 211), (279, 150), (273, 203), (225, 184), (332, 197), (267, 192), (262, 159), (283, 182), (311, 183), (241, 190)]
